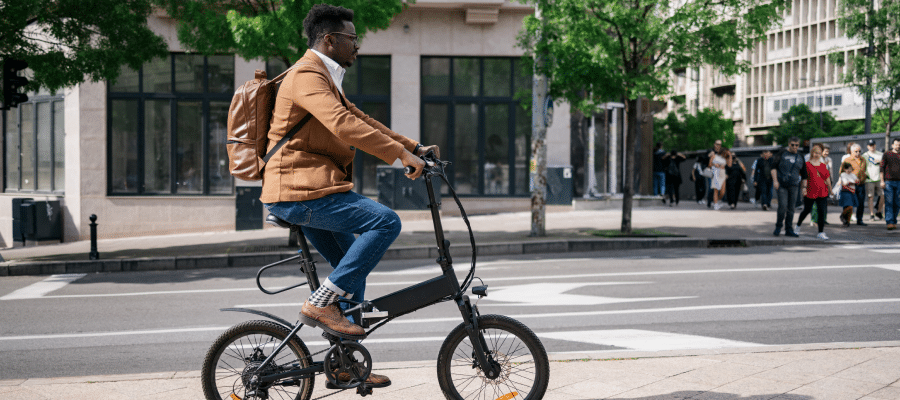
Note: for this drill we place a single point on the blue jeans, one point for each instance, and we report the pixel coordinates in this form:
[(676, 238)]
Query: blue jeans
[(891, 201), (330, 224), (787, 197), (765, 189), (659, 183)]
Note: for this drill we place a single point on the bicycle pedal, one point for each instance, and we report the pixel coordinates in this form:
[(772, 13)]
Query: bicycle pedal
[(363, 390)]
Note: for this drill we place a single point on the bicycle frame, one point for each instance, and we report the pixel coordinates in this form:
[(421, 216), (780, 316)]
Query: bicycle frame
[(385, 308)]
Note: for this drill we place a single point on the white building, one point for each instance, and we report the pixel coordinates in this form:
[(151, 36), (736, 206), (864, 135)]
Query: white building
[(789, 67), (147, 155)]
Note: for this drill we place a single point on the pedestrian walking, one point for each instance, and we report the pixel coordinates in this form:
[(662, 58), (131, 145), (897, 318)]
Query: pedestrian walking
[(717, 163), (848, 199), (854, 157), (788, 172), (710, 153), (673, 176), (816, 190), (659, 172), (874, 192), (699, 180), (762, 179), (736, 173), (890, 182)]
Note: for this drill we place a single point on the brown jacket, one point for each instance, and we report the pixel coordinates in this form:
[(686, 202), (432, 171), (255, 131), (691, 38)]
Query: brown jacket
[(317, 161)]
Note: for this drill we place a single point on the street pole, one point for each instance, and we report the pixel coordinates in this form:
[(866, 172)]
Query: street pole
[(869, 75), (591, 180), (538, 144)]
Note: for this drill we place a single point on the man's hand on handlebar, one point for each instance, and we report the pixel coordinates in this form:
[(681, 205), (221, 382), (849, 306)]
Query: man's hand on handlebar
[(425, 149), (411, 161), (415, 163)]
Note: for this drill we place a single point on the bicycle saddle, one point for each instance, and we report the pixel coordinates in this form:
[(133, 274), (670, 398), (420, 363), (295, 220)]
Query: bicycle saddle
[(272, 219)]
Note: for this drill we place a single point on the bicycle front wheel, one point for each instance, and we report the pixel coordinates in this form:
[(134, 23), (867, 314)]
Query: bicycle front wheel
[(237, 354), (525, 370)]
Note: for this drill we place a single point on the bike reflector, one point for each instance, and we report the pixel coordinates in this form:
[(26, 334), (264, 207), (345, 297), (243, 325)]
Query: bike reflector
[(508, 396), (235, 397)]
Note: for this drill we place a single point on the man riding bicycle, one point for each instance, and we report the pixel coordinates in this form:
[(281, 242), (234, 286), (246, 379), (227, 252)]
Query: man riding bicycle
[(308, 182)]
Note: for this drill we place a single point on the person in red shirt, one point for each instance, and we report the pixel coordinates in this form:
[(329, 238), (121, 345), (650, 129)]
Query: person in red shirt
[(818, 182)]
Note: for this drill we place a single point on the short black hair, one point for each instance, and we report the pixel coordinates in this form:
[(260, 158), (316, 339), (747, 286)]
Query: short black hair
[(323, 19), (896, 140), (794, 139)]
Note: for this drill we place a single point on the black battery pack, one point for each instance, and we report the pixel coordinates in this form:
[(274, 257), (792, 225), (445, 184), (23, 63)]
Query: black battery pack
[(414, 297)]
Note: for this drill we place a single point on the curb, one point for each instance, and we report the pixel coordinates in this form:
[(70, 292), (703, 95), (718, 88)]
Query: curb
[(554, 357), (399, 253)]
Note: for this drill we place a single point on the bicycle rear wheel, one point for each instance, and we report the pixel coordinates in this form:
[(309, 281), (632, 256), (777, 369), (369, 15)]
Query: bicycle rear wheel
[(525, 370), (237, 353)]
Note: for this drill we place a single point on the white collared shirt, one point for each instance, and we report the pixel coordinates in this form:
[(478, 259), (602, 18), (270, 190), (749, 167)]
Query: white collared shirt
[(336, 71)]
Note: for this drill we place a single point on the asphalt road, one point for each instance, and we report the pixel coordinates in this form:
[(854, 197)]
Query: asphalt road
[(122, 323)]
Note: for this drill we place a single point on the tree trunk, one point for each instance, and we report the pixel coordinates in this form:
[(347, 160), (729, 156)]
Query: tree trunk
[(631, 110)]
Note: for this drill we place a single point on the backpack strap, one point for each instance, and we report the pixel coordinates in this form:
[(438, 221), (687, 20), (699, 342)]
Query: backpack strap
[(299, 125)]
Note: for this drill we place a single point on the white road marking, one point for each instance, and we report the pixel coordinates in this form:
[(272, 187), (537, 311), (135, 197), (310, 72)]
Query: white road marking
[(553, 294), (544, 278), (537, 294), (116, 333), (457, 319), (666, 309), (640, 340), (39, 289), (888, 251)]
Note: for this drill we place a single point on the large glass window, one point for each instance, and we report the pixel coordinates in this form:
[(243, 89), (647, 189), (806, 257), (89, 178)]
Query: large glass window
[(167, 125), (469, 110), (35, 148)]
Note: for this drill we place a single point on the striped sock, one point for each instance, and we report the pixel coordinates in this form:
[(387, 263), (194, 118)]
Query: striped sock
[(324, 295)]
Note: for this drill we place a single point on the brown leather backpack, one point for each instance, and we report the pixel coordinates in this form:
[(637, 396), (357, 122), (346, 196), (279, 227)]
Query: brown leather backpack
[(249, 117)]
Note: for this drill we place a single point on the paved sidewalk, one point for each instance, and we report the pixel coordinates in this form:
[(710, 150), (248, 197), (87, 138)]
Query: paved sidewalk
[(691, 225), (837, 371)]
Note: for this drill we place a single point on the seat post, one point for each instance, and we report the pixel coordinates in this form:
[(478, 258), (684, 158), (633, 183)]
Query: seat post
[(307, 263)]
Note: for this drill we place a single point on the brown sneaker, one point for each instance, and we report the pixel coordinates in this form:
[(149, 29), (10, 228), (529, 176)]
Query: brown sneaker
[(330, 320), (891, 227), (374, 381)]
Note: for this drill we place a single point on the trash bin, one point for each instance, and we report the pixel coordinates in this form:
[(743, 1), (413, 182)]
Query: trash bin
[(248, 208), (559, 185), (398, 192), (35, 221)]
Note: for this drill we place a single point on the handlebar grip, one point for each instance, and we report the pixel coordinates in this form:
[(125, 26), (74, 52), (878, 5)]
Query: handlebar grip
[(408, 169)]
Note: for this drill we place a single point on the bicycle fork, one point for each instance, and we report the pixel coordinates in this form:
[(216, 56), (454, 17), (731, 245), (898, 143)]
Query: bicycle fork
[(485, 361)]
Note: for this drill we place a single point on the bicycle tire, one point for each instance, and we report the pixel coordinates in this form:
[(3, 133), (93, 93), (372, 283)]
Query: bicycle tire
[(518, 350), (222, 376)]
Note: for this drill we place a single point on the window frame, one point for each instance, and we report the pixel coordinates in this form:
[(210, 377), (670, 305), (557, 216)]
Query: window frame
[(451, 100), (33, 100), (174, 97)]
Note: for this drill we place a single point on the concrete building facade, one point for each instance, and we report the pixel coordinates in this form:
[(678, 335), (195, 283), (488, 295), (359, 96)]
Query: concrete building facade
[(146, 154), (789, 67)]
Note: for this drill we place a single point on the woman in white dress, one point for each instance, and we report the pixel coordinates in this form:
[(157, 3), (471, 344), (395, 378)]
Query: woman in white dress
[(717, 164)]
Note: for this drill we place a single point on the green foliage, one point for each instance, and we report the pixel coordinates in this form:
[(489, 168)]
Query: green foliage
[(881, 27), (626, 50), (264, 29), (802, 122), (66, 42), (693, 132)]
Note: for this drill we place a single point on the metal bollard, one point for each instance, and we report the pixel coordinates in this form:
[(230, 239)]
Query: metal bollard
[(94, 254)]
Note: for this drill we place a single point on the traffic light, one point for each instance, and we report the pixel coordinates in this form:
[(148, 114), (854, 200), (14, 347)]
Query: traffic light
[(13, 83)]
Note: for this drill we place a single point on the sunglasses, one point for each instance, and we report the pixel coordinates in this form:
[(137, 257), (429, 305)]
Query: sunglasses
[(353, 38)]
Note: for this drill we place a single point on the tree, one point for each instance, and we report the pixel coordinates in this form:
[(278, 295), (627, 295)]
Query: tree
[(264, 29), (802, 122), (687, 132), (877, 70), (625, 51), (66, 42)]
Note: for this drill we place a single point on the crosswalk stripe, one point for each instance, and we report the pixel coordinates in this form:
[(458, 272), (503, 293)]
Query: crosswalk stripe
[(39, 289)]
